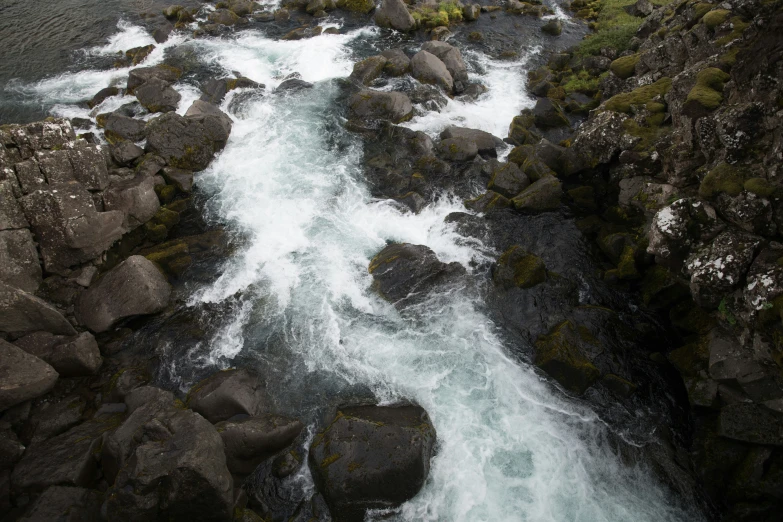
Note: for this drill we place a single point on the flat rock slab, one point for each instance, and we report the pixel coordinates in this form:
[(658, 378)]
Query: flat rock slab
[(134, 287), (22, 376)]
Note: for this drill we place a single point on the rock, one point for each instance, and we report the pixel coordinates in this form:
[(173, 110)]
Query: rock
[(140, 75), (451, 58), (161, 33), (57, 167), (303, 32), (49, 419), (216, 123), (22, 376), (172, 12), (548, 115), (642, 8), (135, 198), (488, 201), (676, 229), (553, 27), (126, 152), (485, 142), (518, 268), (223, 17), (369, 106), (66, 460), (457, 149), (428, 68), (720, 266), (134, 287), (11, 215), (372, 457), (282, 15), (227, 393), (11, 450), (603, 137), (356, 6), (397, 62), (182, 179), (249, 441), (401, 271), (394, 15), (185, 143), (21, 312), (176, 471), (751, 423), (470, 13), (19, 265), (368, 69), (29, 175), (66, 504), (560, 355), (157, 96), (241, 7), (293, 85), (102, 95), (77, 356), (89, 165), (508, 180), (543, 195), (118, 127)]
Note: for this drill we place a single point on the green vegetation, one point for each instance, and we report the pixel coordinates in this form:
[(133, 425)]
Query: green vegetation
[(644, 95), (708, 91), (625, 66), (760, 187), (613, 26), (739, 25), (581, 82), (715, 17), (447, 12), (722, 179)]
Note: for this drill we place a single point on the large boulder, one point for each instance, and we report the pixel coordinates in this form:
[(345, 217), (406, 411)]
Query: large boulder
[(248, 441), (543, 195), (372, 457), (371, 106), (69, 229), (176, 471), (21, 312), (77, 356), (402, 271), (368, 69), (19, 264), (395, 15), (548, 115), (397, 62), (157, 95), (67, 504), (508, 180), (451, 58), (216, 122), (486, 143), (125, 152), (428, 68), (118, 127), (139, 76), (134, 287), (89, 164), (227, 393), (186, 142), (135, 198), (457, 149), (517, 268), (22, 376)]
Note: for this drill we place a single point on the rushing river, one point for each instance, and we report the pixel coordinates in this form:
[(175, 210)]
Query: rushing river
[(290, 183)]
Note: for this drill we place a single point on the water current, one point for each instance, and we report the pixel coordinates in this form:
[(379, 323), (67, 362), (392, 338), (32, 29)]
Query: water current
[(510, 447)]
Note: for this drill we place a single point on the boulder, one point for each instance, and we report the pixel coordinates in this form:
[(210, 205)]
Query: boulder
[(67, 226), (488, 201), (753, 423), (176, 471), (428, 68), (22, 376), (517, 268), (561, 356), (227, 393), (135, 198), (401, 271), (29, 175), (140, 75), (248, 441), (241, 7), (182, 179), (293, 85), (369, 106), (102, 95), (216, 122), (11, 215), (157, 95), (357, 6), (368, 69), (457, 149), (134, 287), (485, 142), (118, 127), (49, 419), (77, 356), (66, 504), (548, 115), (603, 137), (394, 14), (148, 395), (19, 264), (543, 195), (470, 13), (223, 17), (642, 8), (397, 62), (372, 457), (677, 228), (553, 27), (21, 312), (451, 58), (508, 180), (126, 152), (186, 143)]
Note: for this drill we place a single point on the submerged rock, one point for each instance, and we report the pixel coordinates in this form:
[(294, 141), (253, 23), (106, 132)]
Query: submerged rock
[(403, 271), (372, 457), (560, 355)]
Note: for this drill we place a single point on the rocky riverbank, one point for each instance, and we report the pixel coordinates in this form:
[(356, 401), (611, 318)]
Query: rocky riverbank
[(633, 210)]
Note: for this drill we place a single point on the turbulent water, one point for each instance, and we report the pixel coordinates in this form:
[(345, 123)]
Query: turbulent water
[(290, 182)]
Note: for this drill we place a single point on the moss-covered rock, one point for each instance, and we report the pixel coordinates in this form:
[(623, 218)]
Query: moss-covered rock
[(520, 269), (640, 96), (625, 66), (707, 94), (543, 195), (559, 355), (760, 187), (173, 257), (488, 201), (715, 18), (724, 178), (356, 6)]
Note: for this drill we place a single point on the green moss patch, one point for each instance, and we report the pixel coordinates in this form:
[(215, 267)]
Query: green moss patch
[(715, 18), (722, 179), (625, 67), (519, 268), (760, 187), (640, 96), (708, 91)]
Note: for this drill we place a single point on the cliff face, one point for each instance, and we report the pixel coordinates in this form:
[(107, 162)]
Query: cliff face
[(677, 173)]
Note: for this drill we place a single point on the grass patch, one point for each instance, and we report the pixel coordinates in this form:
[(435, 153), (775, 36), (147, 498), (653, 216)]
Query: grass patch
[(613, 27)]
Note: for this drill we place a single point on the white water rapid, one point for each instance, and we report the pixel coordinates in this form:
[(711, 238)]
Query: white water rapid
[(290, 182)]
